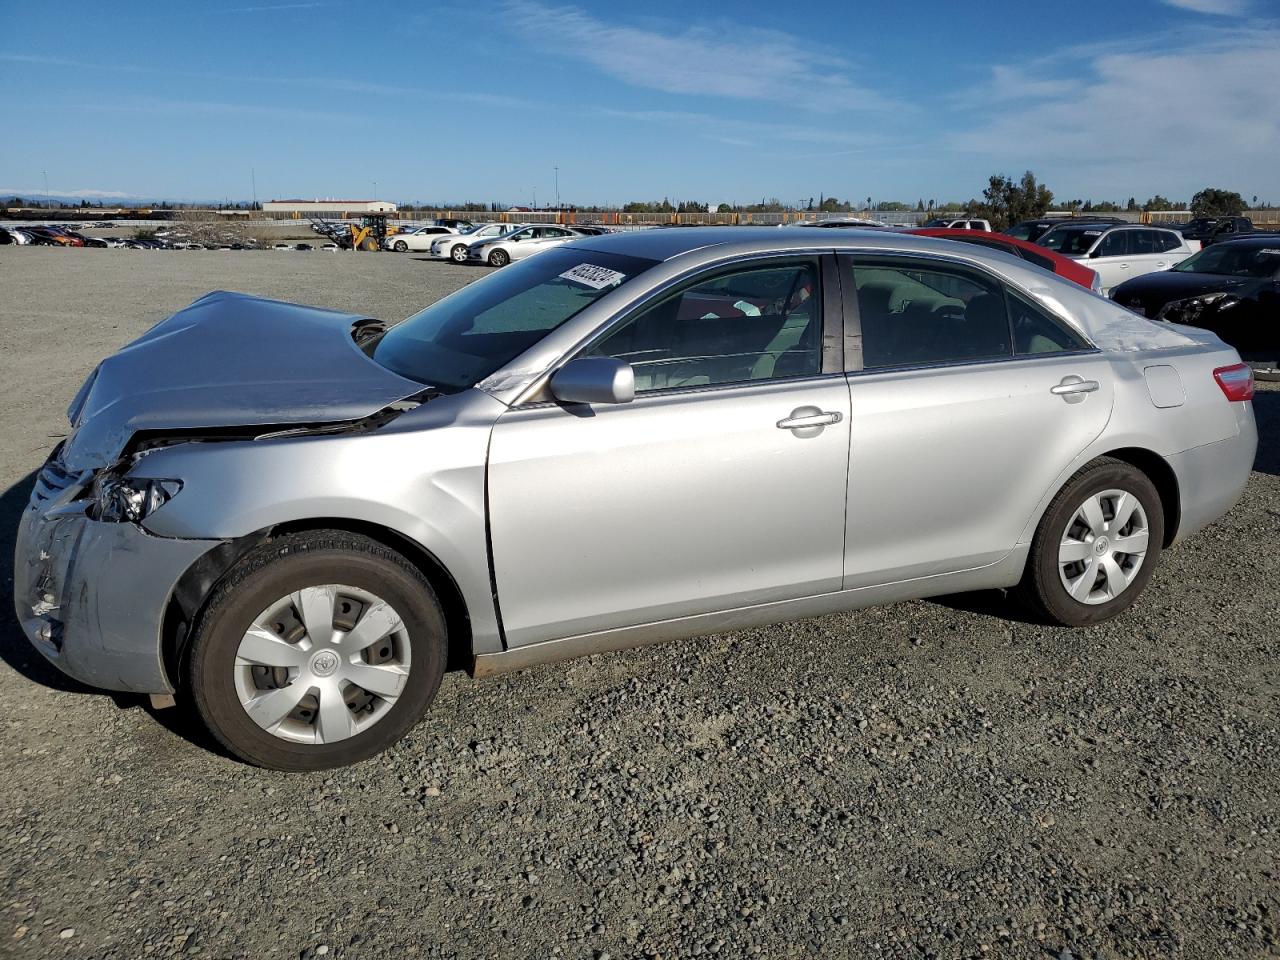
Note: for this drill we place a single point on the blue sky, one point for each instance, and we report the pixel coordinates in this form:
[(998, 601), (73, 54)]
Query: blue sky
[(725, 102)]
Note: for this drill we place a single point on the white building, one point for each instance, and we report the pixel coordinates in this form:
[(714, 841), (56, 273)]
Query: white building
[(332, 209)]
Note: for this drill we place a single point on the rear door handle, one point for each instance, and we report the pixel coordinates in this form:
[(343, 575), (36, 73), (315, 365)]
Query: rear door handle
[(1073, 388), (809, 417)]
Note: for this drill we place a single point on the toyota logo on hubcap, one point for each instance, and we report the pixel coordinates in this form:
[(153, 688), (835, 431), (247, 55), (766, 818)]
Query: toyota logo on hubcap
[(324, 663)]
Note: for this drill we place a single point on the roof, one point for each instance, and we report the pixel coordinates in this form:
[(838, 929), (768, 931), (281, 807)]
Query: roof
[(325, 200)]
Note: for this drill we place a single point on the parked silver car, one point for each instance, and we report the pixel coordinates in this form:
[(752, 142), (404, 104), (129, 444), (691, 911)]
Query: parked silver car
[(622, 440)]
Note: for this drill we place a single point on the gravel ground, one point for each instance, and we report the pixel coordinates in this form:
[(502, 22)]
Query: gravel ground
[(932, 779)]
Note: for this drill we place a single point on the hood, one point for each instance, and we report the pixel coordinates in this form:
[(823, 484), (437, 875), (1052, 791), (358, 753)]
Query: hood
[(229, 360), (1163, 286)]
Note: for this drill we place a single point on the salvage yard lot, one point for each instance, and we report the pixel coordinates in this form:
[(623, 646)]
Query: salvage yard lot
[(932, 778)]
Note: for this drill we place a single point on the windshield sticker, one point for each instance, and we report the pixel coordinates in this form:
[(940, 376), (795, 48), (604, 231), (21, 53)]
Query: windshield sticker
[(597, 278), (1093, 233), (1269, 251)]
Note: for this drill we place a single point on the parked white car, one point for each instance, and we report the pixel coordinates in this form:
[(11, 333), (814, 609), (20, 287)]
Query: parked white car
[(454, 247), (1117, 252), (415, 238), (960, 223), (519, 244)]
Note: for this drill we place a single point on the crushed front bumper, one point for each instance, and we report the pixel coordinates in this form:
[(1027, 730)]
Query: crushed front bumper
[(92, 596)]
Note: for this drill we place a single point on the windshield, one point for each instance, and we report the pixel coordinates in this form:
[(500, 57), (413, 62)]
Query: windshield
[(458, 341), (1234, 260), (1070, 240)]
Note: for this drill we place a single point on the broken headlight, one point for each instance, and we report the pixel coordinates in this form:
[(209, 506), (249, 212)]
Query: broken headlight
[(1189, 310), (119, 499)]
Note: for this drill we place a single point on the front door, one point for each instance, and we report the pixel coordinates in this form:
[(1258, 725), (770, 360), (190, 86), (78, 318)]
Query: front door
[(721, 485)]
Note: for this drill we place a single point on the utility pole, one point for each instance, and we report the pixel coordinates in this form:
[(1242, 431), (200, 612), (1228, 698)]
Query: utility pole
[(253, 177), (47, 201), (557, 170)]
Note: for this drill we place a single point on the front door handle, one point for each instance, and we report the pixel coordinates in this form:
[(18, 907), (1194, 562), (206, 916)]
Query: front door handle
[(1073, 389), (807, 417)]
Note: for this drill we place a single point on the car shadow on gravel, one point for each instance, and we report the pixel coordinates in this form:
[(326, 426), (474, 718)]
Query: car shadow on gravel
[(1266, 410)]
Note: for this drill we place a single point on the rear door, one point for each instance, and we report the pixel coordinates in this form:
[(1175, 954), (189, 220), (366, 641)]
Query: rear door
[(968, 401), (720, 486)]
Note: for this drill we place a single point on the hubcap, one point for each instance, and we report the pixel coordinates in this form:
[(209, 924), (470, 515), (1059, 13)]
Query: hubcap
[(322, 664), (1103, 546)]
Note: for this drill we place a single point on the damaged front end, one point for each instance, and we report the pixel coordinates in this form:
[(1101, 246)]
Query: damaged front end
[(93, 587), (90, 594)]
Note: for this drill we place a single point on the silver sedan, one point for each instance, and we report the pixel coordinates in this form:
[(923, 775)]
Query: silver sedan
[(625, 439)]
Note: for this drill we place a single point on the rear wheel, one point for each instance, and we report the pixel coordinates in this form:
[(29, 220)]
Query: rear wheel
[(1097, 545), (499, 258), (320, 649)]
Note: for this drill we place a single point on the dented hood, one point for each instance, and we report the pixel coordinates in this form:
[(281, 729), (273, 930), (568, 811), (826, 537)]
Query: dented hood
[(229, 360)]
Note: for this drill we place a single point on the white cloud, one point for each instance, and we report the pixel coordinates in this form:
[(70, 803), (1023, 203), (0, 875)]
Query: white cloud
[(1170, 122), (742, 62), (1224, 8)]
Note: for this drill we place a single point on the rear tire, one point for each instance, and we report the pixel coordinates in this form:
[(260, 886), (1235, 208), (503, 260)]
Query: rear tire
[(1096, 547), (331, 720)]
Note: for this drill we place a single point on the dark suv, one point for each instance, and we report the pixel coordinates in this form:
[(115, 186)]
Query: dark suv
[(1212, 229)]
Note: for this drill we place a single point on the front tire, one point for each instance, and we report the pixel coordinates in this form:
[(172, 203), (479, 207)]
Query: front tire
[(1097, 545), (459, 253), (318, 650), (499, 258), (401, 246)]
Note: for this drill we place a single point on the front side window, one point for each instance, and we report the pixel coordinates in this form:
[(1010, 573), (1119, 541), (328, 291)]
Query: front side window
[(458, 341), (758, 323), (1114, 244), (1070, 241), (914, 314)]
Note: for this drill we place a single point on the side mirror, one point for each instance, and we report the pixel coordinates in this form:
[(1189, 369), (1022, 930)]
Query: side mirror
[(1096, 254), (594, 380)]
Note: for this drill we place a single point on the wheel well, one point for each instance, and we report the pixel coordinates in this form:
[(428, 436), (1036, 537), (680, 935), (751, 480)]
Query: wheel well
[(196, 585), (1163, 478)]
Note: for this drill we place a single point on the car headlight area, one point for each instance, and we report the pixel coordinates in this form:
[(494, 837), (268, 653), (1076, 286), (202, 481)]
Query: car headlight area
[(117, 499)]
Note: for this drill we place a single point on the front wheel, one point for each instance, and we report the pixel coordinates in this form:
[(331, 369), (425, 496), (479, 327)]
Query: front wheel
[(1097, 545), (499, 258), (401, 246), (459, 253), (320, 649)]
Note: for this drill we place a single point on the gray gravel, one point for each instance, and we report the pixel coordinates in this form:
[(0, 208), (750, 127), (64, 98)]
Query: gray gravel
[(932, 779)]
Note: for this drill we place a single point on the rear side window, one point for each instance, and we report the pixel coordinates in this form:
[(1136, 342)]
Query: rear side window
[(1036, 333), (1145, 241), (918, 313), (1166, 241)]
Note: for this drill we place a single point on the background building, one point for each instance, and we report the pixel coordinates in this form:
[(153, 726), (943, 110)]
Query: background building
[(339, 209)]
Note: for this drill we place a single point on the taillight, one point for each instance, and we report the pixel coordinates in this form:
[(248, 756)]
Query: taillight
[(1236, 381)]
